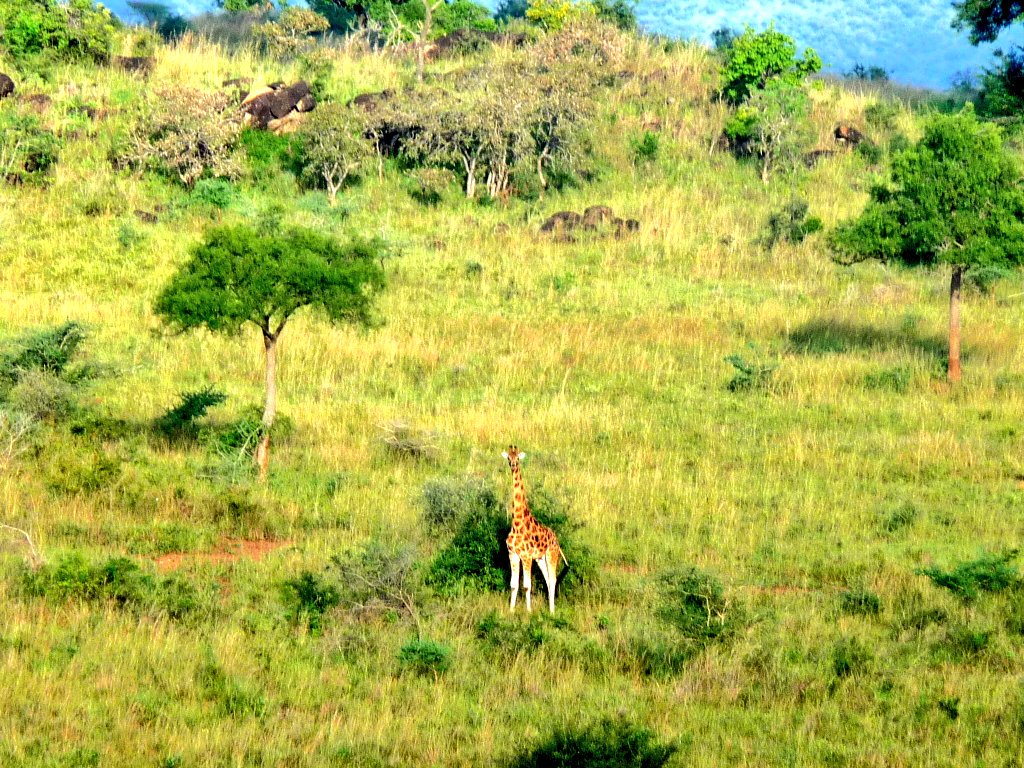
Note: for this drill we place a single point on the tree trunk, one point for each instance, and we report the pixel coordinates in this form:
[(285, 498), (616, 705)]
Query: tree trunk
[(421, 52), (262, 456), (954, 324)]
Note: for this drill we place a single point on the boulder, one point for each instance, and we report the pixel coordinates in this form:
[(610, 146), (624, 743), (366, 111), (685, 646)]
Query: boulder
[(848, 135), (368, 102), (596, 215), (269, 104), (626, 226), (563, 221), (288, 124), (6, 86), (306, 104)]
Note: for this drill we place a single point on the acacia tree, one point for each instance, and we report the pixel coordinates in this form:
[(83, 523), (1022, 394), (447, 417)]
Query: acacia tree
[(239, 275), (332, 146), (954, 198)]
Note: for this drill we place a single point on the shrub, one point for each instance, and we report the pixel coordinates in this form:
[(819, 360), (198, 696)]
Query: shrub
[(849, 657), (333, 147), (192, 406), (425, 657), (71, 31), (984, 279), (604, 744), (290, 33), (269, 153), (407, 442), (781, 132), (428, 186), (187, 134), (962, 643), (552, 15), (214, 193), (990, 573), (860, 602), (308, 598), (754, 59), (28, 151), (378, 578), (47, 350), (645, 148), (448, 500), (117, 580), (463, 14), (790, 225), (316, 67), (658, 655), (752, 374), (693, 602)]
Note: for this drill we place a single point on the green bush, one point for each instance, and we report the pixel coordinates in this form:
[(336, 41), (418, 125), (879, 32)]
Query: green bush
[(860, 602), (644, 149), (790, 225), (604, 744), (849, 657), (268, 154), (214, 193), (28, 150), (308, 598), (754, 59), (990, 573), (655, 654), (379, 578), (47, 350), (117, 580), (962, 643), (693, 602), (68, 31), (750, 374), (447, 500), (192, 406), (425, 657)]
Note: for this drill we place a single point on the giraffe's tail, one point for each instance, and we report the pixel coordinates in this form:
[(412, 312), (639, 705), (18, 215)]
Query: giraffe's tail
[(565, 560)]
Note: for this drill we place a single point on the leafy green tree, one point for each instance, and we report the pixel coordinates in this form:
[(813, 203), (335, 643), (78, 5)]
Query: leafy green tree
[(985, 19), (511, 9), (552, 15), (621, 13), (954, 198), (756, 58), (74, 30), (332, 146), (1002, 86), (240, 275)]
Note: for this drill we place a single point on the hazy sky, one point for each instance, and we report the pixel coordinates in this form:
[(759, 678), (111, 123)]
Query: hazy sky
[(910, 38)]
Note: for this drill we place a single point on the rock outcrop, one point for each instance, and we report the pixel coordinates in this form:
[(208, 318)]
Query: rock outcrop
[(6, 86), (599, 219), (278, 109)]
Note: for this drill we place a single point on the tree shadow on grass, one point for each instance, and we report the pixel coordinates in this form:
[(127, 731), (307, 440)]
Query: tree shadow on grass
[(827, 336)]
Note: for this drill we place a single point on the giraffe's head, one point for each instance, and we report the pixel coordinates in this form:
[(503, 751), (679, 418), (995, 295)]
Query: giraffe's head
[(514, 456)]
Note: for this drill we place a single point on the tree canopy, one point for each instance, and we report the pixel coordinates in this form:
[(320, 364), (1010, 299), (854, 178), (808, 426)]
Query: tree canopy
[(954, 198), (985, 19), (754, 59), (238, 275)]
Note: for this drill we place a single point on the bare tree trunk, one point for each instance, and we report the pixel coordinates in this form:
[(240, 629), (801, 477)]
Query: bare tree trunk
[(262, 456), (953, 370), (421, 48)]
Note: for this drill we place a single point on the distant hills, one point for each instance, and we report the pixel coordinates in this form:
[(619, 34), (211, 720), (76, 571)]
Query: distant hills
[(910, 38)]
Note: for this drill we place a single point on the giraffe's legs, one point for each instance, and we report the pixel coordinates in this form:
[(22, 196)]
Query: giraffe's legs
[(513, 560), (527, 567), (549, 580)]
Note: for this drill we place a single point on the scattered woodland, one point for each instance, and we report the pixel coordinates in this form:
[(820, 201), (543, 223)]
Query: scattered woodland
[(279, 285)]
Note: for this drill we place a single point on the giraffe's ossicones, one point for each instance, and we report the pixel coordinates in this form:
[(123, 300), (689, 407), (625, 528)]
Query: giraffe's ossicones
[(529, 541)]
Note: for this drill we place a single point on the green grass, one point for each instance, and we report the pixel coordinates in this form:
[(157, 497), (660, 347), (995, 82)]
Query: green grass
[(855, 470)]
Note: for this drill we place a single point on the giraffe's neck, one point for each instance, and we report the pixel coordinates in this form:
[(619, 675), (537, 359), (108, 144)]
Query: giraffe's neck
[(519, 508)]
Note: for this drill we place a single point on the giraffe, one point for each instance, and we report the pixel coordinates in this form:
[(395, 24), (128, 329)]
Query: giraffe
[(529, 540)]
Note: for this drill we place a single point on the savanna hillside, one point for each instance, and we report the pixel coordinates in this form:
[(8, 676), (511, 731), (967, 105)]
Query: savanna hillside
[(791, 540)]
